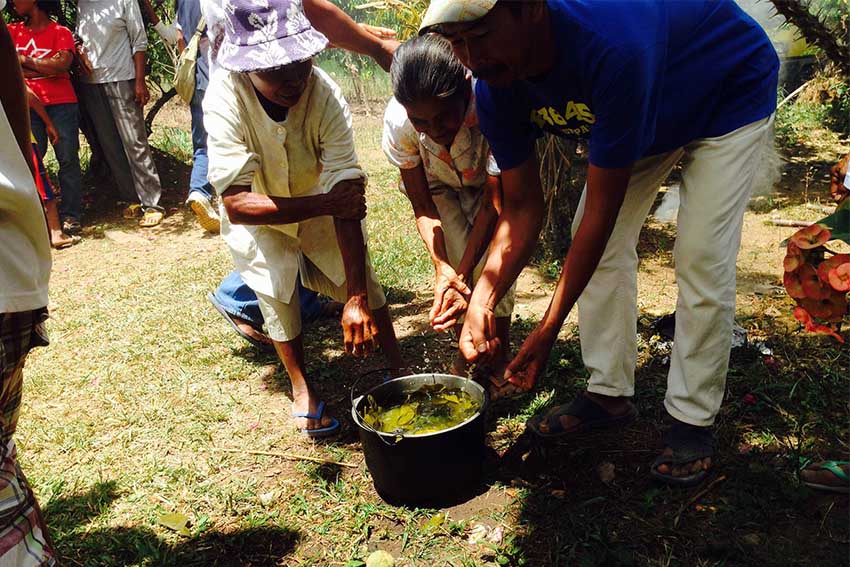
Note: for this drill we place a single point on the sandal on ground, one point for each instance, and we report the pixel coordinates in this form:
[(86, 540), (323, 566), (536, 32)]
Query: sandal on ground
[(231, 320), (320, 432), (133, 211), (688, 443), (152, 217), (592, 416), (62, 244), (71, 226), (833, 467)]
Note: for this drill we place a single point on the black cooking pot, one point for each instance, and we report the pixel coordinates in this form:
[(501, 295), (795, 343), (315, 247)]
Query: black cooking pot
[(429, 470)]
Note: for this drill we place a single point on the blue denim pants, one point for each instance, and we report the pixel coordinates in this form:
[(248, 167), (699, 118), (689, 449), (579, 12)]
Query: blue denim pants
[(65, 118), (240, 300), (198, 180)]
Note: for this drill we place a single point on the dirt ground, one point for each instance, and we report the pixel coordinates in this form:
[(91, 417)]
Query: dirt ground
[(146, 403)]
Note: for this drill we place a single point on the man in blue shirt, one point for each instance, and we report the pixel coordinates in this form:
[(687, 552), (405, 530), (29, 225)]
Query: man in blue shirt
[(646, 83)]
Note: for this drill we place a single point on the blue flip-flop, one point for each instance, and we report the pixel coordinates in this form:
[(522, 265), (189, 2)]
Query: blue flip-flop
[(229, 318), (320, 432)]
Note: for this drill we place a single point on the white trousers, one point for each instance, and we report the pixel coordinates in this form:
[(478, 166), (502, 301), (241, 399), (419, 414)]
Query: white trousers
[(717, 179)]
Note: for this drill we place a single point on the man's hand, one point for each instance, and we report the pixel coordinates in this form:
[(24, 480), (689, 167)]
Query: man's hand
[(358, 327), (85, 65), (474, 342), (530, 362), (52, 134), (836, 186), (379, 32), (451, 298), (142, 94), (347, 200)]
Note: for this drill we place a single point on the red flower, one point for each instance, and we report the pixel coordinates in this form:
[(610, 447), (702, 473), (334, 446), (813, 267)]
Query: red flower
[(830, 263), (793, 258), (793, 285), (839, 278), (811, 236), (803, 317), (824, 330), (750, 399), (833, 308), (812, 286)]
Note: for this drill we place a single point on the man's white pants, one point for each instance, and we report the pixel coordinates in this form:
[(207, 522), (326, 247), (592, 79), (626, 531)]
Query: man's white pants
[(717, 179)]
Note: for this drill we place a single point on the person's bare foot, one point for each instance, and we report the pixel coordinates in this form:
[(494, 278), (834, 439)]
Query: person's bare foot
[(59, 239), (249, 330), (688, 469), (820, 475), (614, 406), (304, 401)]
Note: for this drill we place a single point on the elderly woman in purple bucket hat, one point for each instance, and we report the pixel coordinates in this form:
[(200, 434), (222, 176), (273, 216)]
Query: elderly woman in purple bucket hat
[(292, 192)]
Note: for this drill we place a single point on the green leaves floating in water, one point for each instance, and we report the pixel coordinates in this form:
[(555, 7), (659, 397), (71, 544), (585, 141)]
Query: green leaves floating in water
[(429, 409)]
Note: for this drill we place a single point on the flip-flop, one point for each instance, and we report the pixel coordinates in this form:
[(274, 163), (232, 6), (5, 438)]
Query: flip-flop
[(74, 239), (133, 211), (592, 416), (689, 443), (832, 466), (229, 318), (151, 218), (320, 432)]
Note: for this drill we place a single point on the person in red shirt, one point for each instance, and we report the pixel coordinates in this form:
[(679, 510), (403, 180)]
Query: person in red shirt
[(46, 52)]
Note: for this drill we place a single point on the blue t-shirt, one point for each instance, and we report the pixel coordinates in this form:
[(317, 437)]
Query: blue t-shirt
[(636, 78)]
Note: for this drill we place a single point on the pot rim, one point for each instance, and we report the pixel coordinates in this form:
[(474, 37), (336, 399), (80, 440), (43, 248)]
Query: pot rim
[(358, 420)]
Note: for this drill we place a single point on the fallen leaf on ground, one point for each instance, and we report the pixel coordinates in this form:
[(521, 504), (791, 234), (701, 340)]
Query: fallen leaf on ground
[(266, 498), (496, 536), (478, 534), (436, 521), (175, 521), (380, 558)]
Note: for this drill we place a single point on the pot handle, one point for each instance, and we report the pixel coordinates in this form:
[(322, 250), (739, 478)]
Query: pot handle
[(351, 392), (363, 423)]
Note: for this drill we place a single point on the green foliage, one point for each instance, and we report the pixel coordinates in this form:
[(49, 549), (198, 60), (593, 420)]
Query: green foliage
[(796, 120)]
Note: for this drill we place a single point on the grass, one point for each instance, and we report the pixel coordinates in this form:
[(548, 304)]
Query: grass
[(125, 413)]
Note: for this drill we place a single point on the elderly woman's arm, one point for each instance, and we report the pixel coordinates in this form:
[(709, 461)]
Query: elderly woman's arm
[(345, 201), (344, 32)]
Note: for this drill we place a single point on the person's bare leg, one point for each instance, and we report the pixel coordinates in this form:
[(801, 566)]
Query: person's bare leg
[(387, 339), (57, 237), (304, 400)]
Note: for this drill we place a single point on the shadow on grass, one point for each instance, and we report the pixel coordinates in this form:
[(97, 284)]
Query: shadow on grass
[(752, 510), (69, 516)]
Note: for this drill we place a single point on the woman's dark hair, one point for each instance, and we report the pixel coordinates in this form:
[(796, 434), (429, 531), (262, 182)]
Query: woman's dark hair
[(52, 8), (425, 67)]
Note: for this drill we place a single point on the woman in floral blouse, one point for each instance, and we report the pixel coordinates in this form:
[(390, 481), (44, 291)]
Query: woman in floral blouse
[(431, 134)]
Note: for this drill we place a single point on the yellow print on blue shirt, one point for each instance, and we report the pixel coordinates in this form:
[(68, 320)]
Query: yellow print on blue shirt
[(575, 120)]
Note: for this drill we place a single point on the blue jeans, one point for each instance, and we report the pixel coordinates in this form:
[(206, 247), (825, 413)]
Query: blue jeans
[(198, 180), (240, 300), (65, 118)]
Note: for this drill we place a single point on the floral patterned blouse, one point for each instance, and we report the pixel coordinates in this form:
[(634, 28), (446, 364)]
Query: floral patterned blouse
[(466, 164)]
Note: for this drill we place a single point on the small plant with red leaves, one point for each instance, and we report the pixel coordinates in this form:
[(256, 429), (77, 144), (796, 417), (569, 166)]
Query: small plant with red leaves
[(818, 280)]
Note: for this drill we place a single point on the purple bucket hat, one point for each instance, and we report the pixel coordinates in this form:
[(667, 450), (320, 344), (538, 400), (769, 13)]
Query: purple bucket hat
[(266, 34)]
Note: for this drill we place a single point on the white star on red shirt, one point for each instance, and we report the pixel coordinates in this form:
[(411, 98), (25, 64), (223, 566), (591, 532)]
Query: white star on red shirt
[(32, 50)]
